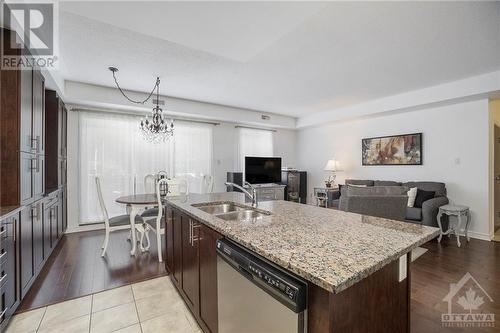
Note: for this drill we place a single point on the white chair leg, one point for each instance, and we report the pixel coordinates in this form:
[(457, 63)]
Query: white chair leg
[(105, 244), (147, 238), (129, 235), (158, 244)]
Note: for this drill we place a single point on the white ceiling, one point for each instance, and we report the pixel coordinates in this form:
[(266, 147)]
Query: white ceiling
[(291, 58)]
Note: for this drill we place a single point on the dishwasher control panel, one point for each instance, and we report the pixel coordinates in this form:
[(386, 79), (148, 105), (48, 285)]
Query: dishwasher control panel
[(278, 283)]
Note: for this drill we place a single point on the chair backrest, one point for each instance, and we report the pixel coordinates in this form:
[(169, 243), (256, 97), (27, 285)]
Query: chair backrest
[(159, 183), (177, 186), (101, 201), (208, 184), (149, 183)]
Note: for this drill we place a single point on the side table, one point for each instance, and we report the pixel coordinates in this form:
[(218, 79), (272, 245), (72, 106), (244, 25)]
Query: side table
[(325, 195), (462, 214)]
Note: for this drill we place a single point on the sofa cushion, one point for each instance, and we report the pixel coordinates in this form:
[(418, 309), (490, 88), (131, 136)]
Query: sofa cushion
[(376, 190), (386, 183), (359, 182), (423, 196), (438, 188), (413, 213)]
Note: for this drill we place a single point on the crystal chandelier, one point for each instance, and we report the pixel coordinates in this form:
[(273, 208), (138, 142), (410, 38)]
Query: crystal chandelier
[(155, 128)]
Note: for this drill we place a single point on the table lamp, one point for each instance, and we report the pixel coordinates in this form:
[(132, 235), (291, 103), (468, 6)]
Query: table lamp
[(331, 166)]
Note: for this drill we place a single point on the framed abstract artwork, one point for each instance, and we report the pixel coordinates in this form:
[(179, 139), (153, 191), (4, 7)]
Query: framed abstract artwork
[(405, 149)]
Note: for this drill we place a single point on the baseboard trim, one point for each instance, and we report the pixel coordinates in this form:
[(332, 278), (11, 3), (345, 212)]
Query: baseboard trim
[(90, 227), (479, 235)]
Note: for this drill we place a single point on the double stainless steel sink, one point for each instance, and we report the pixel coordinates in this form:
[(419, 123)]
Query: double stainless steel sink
[(231, 211)]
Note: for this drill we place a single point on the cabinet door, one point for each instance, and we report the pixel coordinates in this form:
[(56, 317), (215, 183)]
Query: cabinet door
[(177, 248), (60, 111), (8, 275), (26, 247), (38, 176), (26, 143), (64, 204), (38, 237), (169, 240), (53, 226), (59, 213), (208, 277), (26, 165), (190, 274), (38, 132), (47, 242)]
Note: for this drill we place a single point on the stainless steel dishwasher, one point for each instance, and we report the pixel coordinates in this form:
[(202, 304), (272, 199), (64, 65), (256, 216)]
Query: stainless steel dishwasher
[(255, 296)]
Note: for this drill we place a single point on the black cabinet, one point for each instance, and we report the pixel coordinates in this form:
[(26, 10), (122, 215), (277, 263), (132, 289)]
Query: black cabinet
[(296, 185), (26, 247), (9, 295)]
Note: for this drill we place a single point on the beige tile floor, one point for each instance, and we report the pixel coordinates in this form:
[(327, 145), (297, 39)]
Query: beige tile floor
[(146, 307)]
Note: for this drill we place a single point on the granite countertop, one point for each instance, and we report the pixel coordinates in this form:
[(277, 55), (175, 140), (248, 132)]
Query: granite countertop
[(330, 248)]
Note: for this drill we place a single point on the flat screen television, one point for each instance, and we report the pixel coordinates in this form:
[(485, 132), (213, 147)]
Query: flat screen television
[(262, 170)]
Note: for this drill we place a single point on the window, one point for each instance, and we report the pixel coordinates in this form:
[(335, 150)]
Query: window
[(112, 148), (254, 142)]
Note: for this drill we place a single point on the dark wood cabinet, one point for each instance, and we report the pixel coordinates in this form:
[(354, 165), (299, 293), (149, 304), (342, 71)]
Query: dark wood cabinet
[(26, 108), (26, 165), (38, 113), (26, 247), (31, 168), (192, 262), (37, 225), (207, 239), (169, 235), (190, 275), (9, 293), (177, 248)]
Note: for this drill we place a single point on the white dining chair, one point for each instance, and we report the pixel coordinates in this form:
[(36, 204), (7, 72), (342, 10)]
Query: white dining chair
[(178, 186), (149, 183), (154, 223), (120, 222)]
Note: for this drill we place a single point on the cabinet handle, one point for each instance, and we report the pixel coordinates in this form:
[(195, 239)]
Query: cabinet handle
[(1, 256), (14, 228), (190, 232), (3, 232), (37, 143), (193, 228)]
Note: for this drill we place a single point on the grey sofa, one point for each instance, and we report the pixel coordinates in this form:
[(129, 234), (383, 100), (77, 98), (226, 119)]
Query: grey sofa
[(427, 215)]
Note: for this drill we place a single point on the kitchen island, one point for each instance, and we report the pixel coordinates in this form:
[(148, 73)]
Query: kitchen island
[(357, 266)]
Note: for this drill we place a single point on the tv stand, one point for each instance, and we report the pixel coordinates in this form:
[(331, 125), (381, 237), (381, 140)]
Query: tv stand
[(268, 192)]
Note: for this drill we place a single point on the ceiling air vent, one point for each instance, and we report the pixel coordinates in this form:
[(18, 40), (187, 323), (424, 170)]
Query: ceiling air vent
[(265, 117)]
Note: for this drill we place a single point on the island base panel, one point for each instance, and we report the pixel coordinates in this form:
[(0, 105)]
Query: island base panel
[(378, 303)]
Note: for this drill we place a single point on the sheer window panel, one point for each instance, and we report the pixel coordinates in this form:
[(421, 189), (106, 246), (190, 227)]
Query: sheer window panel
[(112, 148), (254, 142), (193, 153)]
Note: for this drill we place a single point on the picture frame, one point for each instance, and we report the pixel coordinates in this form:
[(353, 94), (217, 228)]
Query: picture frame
[(402, 149)]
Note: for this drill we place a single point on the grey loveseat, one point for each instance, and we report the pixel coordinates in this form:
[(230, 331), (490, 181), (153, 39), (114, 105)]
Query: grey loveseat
[(372, 202)]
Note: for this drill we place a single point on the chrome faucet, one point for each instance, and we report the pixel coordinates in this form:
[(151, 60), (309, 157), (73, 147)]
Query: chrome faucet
[(252, 195)]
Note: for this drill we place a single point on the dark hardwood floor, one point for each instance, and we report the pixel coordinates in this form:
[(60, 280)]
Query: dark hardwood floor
[(76, 268), (446, 263)]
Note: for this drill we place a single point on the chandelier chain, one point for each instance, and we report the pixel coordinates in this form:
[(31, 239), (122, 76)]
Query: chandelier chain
[(157, 85)]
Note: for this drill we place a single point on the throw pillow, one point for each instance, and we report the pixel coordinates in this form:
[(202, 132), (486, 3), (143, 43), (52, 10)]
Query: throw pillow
[(423, 196), (354, 185), (412, 195)]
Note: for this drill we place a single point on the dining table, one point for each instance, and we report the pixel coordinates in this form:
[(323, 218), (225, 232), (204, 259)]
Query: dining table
[(137, 204)]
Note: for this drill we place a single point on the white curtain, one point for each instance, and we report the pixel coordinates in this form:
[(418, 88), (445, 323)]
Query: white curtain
[(112, 148), (254, 142)]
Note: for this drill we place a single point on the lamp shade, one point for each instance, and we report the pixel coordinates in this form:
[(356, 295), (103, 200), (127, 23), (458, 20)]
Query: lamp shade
[(332, 165)]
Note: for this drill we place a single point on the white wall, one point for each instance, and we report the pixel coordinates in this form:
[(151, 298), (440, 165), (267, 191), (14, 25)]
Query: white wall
[(455, 151), (225, 150)]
